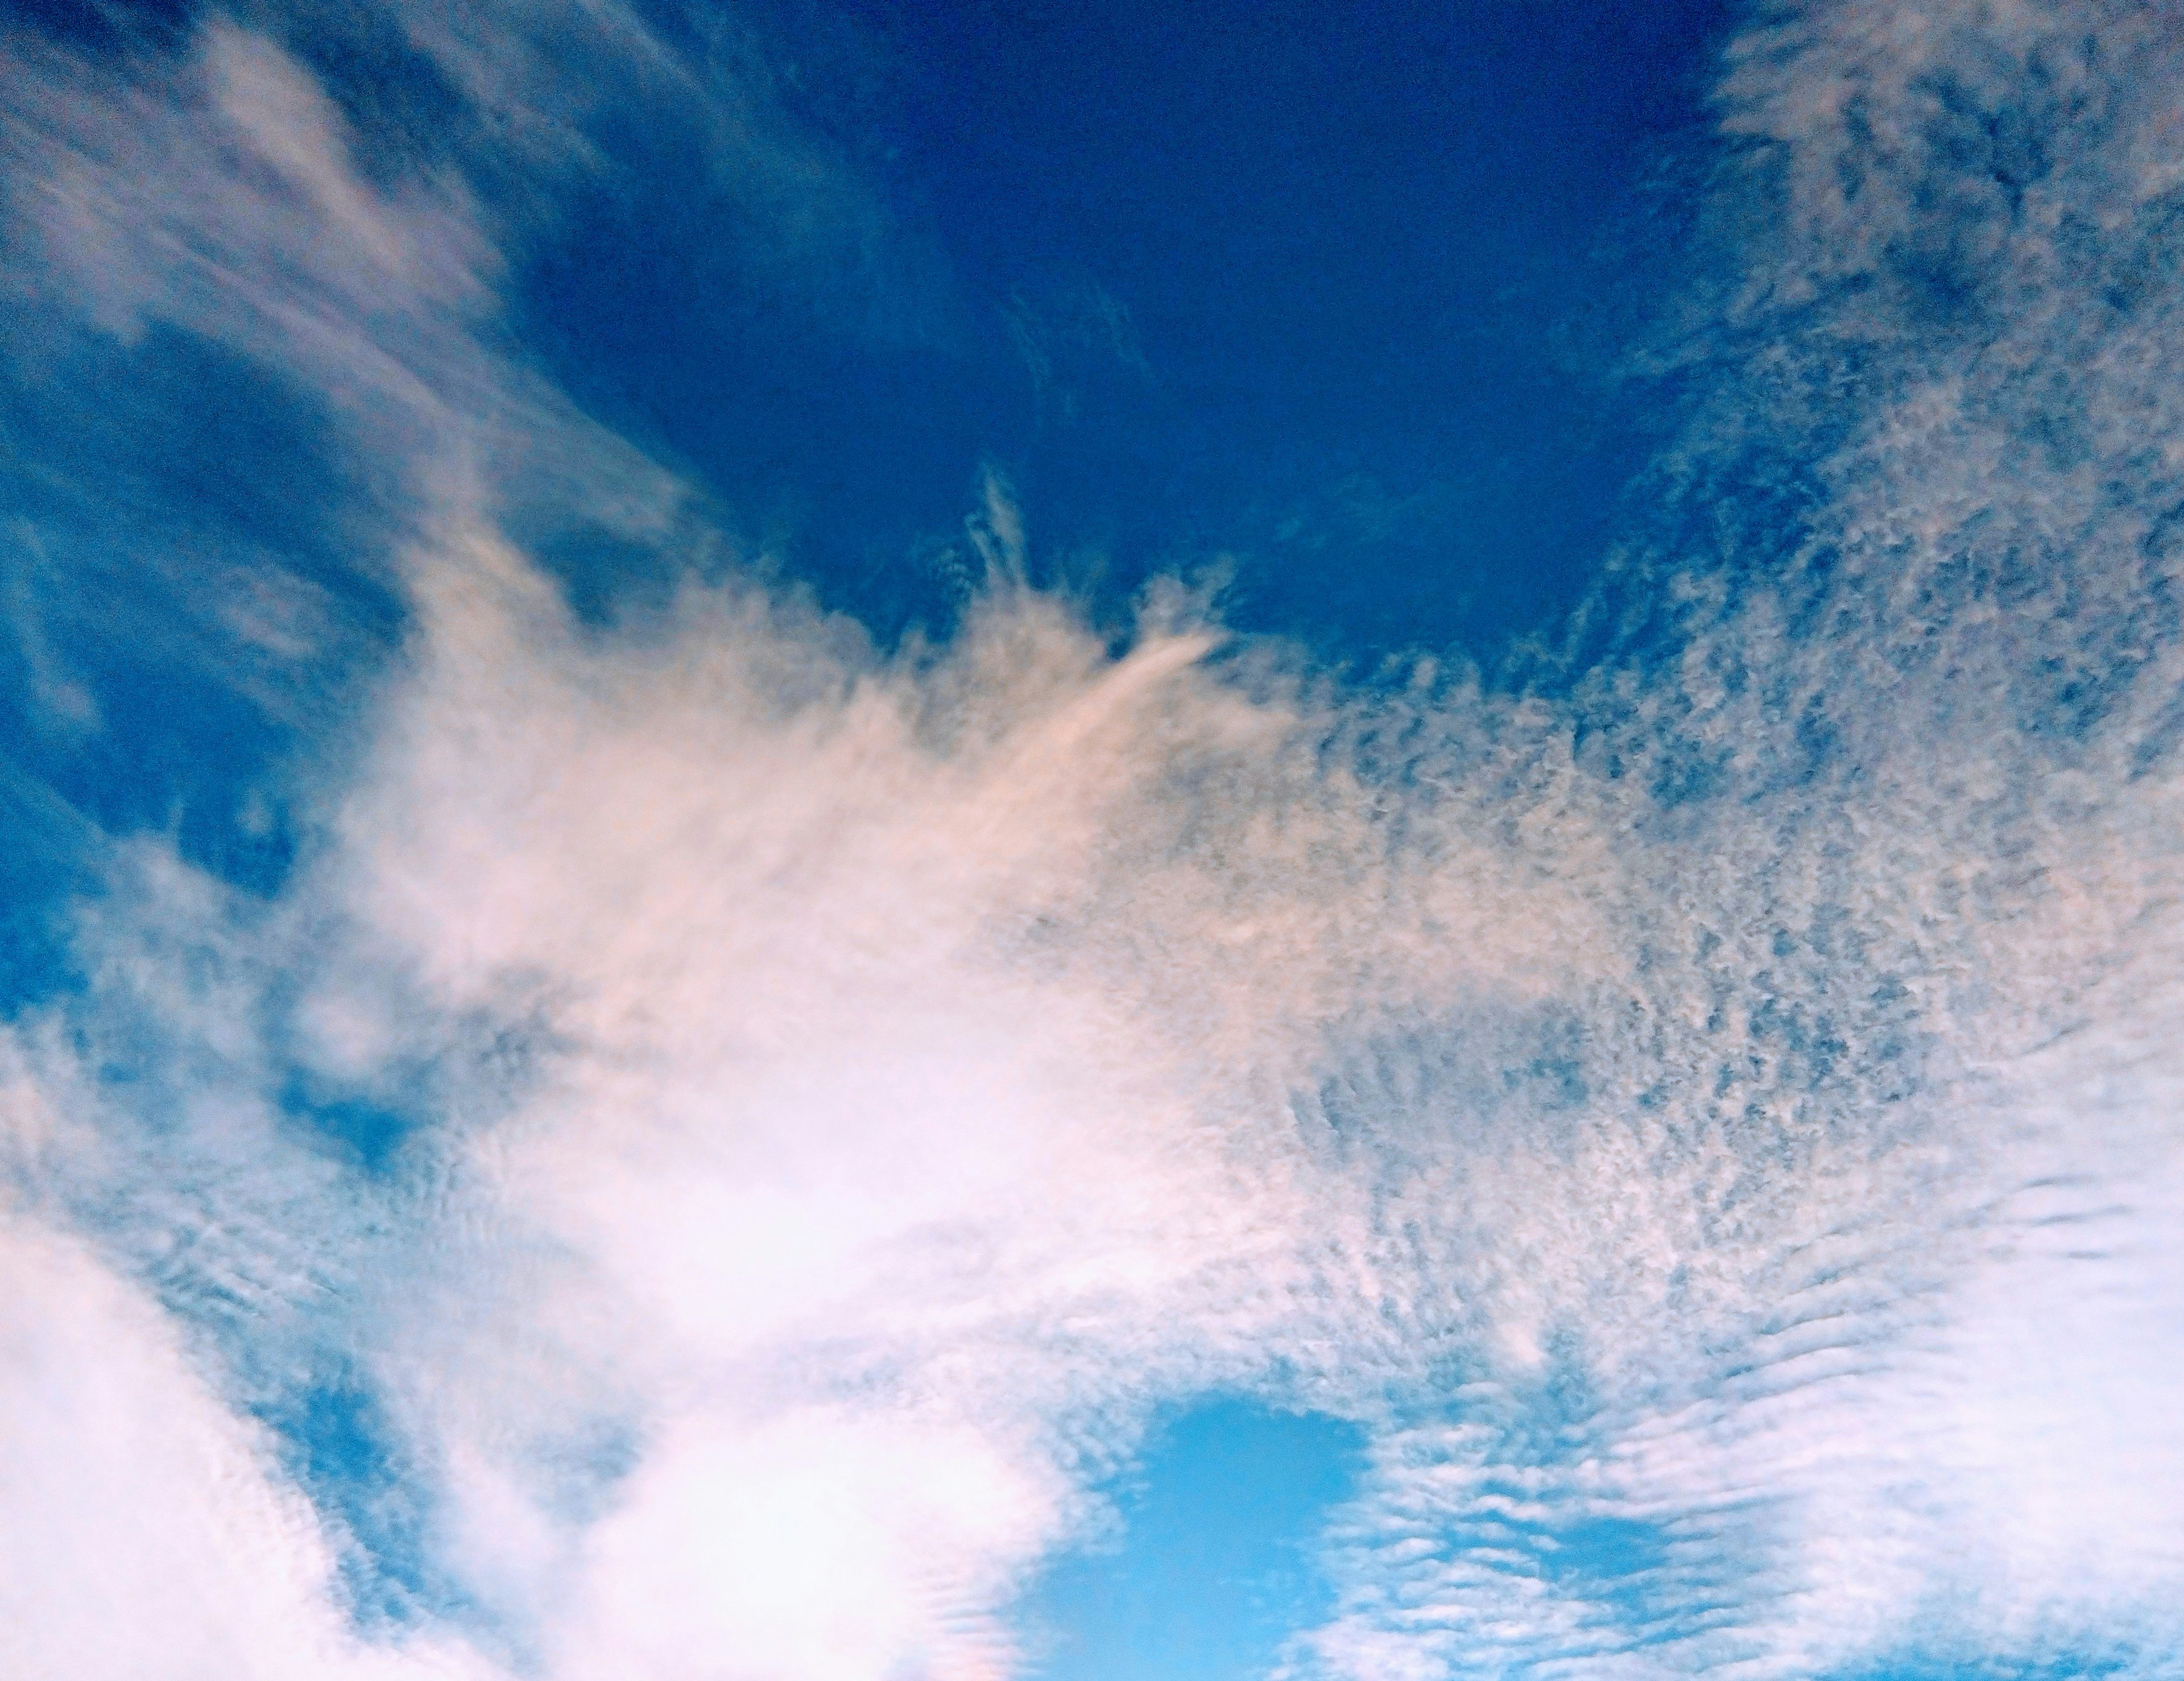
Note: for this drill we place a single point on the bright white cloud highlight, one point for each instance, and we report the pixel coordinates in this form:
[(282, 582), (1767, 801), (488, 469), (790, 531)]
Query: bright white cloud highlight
[(1716, 1128)]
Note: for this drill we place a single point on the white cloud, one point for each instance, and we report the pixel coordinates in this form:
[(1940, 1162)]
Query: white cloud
[(148, 1533), (1730, 1112)]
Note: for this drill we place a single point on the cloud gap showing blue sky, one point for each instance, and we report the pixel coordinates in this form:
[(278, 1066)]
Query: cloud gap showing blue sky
[(886, 844)]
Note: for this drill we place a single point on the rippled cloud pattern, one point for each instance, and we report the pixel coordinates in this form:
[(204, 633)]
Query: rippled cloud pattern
[(569, 1108)]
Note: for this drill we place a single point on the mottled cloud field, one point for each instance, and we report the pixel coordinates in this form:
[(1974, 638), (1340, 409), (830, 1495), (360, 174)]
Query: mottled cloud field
[(723, 1134)]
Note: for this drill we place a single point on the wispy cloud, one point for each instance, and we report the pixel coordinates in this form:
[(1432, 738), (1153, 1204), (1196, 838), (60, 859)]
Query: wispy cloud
[(740, 1127)]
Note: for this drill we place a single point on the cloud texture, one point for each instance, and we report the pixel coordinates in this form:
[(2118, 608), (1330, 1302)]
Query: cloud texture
[(721, 1133)]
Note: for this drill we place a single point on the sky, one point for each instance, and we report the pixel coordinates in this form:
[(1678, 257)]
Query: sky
[(1004, 842)]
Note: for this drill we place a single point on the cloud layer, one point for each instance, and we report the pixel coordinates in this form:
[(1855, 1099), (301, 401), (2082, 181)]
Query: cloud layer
[(720, 1134)]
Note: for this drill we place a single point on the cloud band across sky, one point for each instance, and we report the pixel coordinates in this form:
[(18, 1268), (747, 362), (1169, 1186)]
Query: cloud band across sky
[(712, 1134)]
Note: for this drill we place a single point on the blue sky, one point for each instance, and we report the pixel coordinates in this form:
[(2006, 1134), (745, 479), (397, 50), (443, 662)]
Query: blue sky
[(871, 842), (1312, 287)]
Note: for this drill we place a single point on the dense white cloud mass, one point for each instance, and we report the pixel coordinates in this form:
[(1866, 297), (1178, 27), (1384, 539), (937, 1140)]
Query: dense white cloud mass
[(1715, 1125)]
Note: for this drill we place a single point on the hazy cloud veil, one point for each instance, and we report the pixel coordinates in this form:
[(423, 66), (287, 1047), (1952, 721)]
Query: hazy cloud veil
[(715, 1134)]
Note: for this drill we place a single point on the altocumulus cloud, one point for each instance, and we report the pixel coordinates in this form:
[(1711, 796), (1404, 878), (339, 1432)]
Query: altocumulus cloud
[(720, 1132)]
